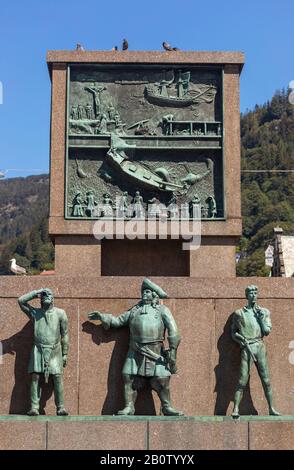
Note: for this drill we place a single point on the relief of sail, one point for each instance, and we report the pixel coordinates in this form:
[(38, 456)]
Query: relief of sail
[(177, 92)]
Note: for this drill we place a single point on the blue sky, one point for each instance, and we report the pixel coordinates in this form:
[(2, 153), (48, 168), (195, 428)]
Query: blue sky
[(262, 29)]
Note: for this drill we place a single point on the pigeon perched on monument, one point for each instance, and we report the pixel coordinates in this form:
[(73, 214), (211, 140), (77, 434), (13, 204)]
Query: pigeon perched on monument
[(125, 45), (168, 47)]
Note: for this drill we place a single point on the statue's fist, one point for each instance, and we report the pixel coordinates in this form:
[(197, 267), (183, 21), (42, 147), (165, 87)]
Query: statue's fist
[(39, 291), (260, 313), (64, 359), (94, 316)]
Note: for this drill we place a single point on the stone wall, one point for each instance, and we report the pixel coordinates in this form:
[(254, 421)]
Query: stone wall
[(143, 433), (207, 357)]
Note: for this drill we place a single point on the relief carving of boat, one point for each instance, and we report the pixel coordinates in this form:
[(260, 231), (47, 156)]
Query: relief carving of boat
[(158, 94), (139, 174)]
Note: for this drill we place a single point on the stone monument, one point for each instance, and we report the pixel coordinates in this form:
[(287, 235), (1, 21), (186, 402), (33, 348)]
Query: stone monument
[(140, 127), (130, 129)]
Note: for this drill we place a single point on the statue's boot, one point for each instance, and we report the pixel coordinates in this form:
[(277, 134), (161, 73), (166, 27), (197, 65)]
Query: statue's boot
[(235, 414), (166, 407), (61, 411), (33, 412), (35, 395), (129, 409), (269, 396), (170, 411), (130, 397), (273, 412), (59, 396)]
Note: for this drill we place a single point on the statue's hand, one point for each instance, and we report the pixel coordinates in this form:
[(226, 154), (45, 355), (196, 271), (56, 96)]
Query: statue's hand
[(261, 315), (39, 291), (259, 312), (94, 316), (244, 342), (64, 360)]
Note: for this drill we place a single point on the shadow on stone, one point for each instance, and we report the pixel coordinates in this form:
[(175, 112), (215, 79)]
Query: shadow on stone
[(227, 374), (20, 346), (114, 400)]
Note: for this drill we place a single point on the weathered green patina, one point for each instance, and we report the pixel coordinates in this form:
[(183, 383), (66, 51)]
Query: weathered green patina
[(50, 349), (146, 359), (169, 122), (249, 325)]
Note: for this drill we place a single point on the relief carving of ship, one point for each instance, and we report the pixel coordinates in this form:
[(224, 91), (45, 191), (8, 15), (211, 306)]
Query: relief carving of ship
[(158, 93), (141, 175)]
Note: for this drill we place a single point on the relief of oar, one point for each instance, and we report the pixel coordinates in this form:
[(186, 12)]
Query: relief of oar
[(139, 123)]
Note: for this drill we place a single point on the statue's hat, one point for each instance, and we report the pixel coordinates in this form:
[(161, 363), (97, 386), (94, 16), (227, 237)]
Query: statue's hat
[(147, 284)]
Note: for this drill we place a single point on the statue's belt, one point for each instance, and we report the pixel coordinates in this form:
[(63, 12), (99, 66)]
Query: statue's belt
[(254, 340), (145, 350), (47, 346), (46, 350), (146, 340)]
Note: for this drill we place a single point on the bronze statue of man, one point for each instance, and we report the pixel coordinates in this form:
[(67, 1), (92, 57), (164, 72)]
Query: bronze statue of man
[(249, 325), (49, 353), (148, 322)]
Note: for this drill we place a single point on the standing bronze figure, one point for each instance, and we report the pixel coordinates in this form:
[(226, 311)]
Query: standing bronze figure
[(250, 324), (146, 358), (49, 353)]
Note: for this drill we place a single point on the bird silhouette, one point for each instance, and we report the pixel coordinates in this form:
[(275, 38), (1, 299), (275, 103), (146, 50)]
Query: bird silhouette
[(168, 47), (16, 269), (125, 45), (79, 47)]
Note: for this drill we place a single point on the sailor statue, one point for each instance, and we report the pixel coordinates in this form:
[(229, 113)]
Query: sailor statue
[(250, 325), (146, 359), (49, 353)]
